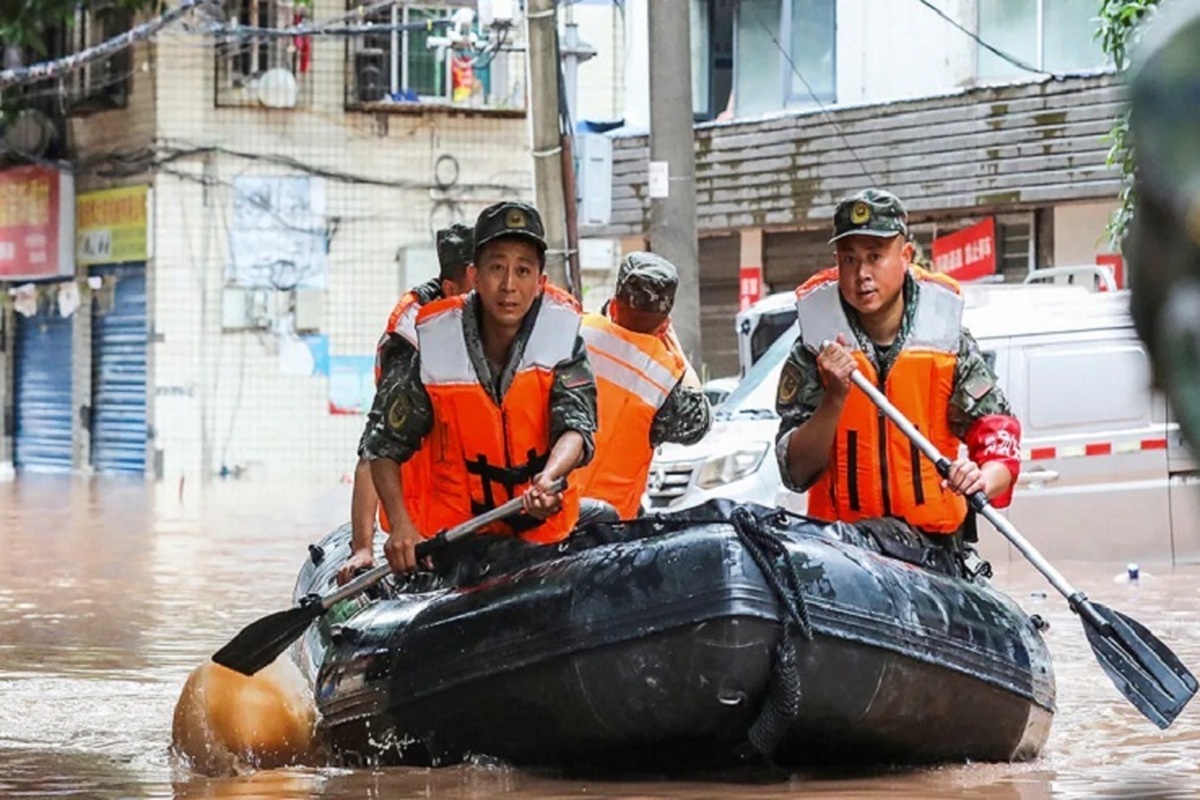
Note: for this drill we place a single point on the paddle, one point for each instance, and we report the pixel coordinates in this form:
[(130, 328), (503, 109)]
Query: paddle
[(261, 642), (1152, 677)]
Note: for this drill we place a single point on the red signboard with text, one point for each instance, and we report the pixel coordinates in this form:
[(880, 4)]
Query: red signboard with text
[(37, 223), (750, 286), (967, 254), (1116, 263)]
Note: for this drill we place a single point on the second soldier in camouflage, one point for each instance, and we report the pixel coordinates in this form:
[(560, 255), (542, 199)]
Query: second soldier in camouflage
[(899, 325)]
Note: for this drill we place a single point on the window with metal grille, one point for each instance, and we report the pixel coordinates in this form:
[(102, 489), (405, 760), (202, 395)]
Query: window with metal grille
[(407, 63), (95, 85), (1015, 246), (255, 65)]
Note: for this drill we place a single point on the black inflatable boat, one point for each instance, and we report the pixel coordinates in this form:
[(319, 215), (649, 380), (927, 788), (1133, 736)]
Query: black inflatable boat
[(680, 641)]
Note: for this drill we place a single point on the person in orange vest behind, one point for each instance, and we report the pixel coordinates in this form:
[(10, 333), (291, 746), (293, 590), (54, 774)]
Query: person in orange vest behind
[(499, 392), (456, 275), (647, 391), (901, 326)]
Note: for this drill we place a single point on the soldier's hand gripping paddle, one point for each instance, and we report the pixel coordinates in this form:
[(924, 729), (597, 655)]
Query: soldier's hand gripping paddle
[(1143, 668), (261, 642)]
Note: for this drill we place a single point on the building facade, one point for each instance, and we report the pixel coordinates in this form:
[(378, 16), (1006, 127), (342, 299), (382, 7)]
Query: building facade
[(801, 102), (248, 205)]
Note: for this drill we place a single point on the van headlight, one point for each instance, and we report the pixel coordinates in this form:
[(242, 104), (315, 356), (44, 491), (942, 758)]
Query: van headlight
[(730, 467)]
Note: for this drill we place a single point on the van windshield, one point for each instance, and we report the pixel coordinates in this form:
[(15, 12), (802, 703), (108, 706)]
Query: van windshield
[(755, 395), (770, 328)]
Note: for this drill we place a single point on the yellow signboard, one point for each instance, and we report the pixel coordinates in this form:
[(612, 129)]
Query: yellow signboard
[(110, 226)]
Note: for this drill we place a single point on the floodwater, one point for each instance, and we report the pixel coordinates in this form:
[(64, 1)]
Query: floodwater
[(112, 592)]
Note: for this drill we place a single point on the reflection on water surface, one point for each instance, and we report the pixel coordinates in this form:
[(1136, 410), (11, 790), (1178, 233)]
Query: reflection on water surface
[(111, 592)]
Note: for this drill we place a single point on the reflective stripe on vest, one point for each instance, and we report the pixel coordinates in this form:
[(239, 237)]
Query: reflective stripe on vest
[(819, 311), (481, 454), (873, 469), (635, 374), (403, 319)]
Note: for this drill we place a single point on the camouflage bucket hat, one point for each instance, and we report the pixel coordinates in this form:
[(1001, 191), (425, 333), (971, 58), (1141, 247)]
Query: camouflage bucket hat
[(455, 246), (503, 220), (647, 282), (871, 212)]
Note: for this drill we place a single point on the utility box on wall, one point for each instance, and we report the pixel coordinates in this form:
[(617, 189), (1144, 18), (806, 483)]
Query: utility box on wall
[(595, 178), (309, 309), (246, 309)]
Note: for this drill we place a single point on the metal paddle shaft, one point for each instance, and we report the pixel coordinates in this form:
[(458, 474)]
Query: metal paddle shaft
[(424, 549), (262, 641), (1145, 670)]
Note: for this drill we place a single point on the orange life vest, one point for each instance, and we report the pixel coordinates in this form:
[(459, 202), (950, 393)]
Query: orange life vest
[(414, 473), (481, 454), (874, 470), (635, 373)]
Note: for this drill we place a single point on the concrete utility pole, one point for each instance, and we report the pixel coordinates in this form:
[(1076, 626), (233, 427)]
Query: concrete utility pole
[(541, 21), (673, 212)]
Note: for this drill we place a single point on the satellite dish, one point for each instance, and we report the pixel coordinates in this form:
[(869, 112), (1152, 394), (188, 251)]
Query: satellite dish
[(277, 88), (30, 134)]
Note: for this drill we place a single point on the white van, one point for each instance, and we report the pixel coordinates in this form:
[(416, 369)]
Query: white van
[(761, 324), (1105, 472)]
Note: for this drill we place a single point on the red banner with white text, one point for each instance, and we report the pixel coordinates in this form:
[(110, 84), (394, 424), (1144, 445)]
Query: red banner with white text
[(967, 254), (37, 224)]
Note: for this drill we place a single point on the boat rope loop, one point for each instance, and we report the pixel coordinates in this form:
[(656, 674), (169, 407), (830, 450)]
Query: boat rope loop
[(767, 549)]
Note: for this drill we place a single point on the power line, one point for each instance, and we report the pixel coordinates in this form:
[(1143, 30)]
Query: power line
[(170, 154), (1011, 59), (52, 69), (220, 30)]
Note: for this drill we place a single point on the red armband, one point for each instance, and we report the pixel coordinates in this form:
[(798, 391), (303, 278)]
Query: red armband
[(997, 438)]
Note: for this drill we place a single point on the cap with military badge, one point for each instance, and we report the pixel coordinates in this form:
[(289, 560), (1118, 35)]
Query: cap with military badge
[(871, 212), (509, 220), (647, 282), (455, 247)]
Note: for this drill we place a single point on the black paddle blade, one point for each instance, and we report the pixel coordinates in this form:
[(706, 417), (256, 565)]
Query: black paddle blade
[(1142, 667), (261, 642)]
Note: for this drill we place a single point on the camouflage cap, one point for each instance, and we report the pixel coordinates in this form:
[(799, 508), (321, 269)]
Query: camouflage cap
[(509, 219), (871, 212), (455, 247), (647, 282)]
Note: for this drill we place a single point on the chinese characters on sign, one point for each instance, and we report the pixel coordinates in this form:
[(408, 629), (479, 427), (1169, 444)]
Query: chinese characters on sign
[(111, 226), (750, 286), (1116, 264), (37, 221), (967, 254)]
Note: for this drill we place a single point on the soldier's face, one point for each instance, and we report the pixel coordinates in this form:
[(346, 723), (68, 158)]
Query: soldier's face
[(871, 271), (508, 279)]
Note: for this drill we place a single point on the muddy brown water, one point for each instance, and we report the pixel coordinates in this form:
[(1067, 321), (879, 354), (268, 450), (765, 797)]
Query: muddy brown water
[(112, 592)]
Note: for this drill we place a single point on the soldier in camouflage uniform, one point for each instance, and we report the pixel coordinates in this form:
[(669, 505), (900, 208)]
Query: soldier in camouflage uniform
[(1163, 246), (648, 392), (646, 286), (863, 314), (456, 275), (498, 321)]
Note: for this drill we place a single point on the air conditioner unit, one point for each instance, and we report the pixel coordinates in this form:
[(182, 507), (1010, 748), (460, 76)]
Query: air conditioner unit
[(31, 134), (277, 88), (370, 75)]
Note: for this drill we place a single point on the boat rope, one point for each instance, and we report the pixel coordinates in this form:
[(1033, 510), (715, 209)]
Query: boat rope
[(769, 552)]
